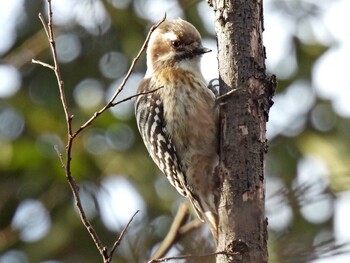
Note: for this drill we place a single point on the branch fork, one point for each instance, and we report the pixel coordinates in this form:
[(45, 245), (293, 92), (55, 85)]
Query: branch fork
[(66, 162)]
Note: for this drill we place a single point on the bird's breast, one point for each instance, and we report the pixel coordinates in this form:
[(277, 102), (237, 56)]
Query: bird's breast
[(189, 111)]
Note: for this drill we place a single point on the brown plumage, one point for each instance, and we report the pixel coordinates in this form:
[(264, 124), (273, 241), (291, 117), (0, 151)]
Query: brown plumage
[(178, 122)]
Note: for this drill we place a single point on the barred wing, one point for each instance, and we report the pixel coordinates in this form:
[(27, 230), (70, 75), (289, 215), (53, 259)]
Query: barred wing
[(152, 127)]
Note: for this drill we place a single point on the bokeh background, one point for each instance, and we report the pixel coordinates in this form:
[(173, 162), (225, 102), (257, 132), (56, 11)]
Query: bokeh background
[(308, 164)]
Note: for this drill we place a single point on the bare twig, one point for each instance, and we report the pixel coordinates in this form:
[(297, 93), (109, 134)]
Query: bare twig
[(43, 64), (133, 96), (42, 20), (192, 256), (66, 164), (50, 35), (170, 238), (194, 224), (222, 98), (175, 231), (120, 238), (144, 46), (121, 86), (60, 157)]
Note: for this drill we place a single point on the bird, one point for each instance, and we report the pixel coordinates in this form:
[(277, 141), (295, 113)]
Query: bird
[(176, 115)]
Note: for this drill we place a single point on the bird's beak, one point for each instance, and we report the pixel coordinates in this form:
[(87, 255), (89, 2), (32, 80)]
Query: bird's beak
[(202, 50)]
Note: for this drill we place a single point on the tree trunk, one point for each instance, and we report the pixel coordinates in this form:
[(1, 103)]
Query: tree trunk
[(241, 194)]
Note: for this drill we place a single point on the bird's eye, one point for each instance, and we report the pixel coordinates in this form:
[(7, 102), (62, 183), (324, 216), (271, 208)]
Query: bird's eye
[(175, 43)]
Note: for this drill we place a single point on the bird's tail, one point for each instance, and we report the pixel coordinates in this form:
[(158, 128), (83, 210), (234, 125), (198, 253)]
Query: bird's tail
[(205, 214)]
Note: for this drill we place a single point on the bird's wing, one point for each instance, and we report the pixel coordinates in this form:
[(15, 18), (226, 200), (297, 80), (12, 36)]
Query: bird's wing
[(152, 127)]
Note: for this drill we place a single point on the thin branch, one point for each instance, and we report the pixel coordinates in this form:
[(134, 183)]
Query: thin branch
[(121, 86), (60, 157), (73, 185), (133, 96), (144, 46), (50, 35), (194, 224), (42, 20), (170, 238), (75, 190), (34, 61), (192, 256), (223, 98), (66, 164), (120, 238)]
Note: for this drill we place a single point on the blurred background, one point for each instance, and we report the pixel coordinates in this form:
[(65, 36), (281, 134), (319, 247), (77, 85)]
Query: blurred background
[(308, 164)]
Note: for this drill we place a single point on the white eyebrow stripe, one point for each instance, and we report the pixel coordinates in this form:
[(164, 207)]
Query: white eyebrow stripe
[(170, 35)]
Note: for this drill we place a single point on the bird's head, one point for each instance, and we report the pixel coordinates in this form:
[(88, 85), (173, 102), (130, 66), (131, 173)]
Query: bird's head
[(175, 43)]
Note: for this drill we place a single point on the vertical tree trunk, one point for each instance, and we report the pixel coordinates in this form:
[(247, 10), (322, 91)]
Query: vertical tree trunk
[(241, 195)]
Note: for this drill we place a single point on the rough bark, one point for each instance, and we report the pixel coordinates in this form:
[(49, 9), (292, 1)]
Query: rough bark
[(241, 191)]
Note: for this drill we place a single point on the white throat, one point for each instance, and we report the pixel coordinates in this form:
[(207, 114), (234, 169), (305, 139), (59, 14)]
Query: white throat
[(191, 65)]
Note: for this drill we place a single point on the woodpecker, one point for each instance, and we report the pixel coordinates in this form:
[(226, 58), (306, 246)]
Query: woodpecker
[(178, 121)]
